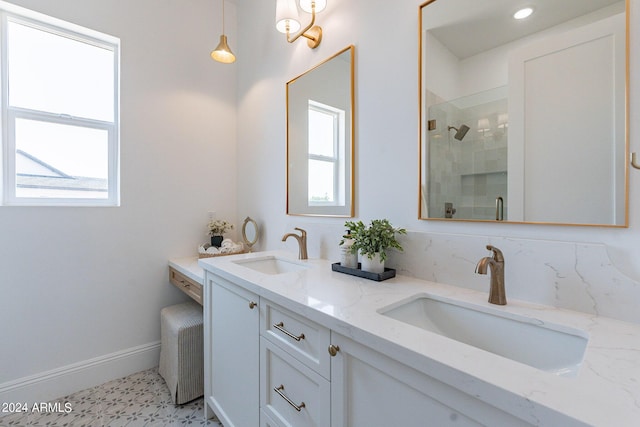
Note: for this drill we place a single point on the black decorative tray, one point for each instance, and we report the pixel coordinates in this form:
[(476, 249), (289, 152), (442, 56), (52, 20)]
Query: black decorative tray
[(378, 277)]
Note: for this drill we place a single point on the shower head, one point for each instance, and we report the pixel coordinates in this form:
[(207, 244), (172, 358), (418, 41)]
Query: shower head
[(460, 132)]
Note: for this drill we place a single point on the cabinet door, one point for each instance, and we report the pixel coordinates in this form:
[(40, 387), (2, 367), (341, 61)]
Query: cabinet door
[(293, 395), (232, 380), (371, 389)]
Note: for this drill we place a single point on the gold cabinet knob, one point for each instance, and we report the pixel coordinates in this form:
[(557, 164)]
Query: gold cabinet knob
[(252, 305), (333, 350)]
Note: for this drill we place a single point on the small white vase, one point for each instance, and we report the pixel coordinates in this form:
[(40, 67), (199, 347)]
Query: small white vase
[(373, 265)]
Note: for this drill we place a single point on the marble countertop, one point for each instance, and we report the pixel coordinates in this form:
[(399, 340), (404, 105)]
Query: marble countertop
[(605, 392)]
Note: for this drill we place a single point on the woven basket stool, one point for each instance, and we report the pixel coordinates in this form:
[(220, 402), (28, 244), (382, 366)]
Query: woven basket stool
[(181, 351)]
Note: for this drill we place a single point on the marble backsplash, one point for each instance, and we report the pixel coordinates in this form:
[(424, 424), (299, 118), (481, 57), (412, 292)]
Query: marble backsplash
[(573, 275)]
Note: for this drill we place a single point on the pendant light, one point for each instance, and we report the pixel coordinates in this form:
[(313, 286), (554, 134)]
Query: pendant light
[(222, 52)]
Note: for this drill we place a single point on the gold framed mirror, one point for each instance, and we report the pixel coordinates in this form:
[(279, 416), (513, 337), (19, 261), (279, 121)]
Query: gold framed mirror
[(526, 120), (250, 232), (320, 139)]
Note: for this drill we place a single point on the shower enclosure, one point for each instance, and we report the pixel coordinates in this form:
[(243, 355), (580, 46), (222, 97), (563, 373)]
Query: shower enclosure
[(467, 157)]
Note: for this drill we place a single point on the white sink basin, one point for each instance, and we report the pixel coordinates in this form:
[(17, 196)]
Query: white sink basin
[(553, 348), (271, 265)]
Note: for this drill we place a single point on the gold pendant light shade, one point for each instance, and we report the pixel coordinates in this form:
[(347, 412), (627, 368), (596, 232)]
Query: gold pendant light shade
[(223, 53)]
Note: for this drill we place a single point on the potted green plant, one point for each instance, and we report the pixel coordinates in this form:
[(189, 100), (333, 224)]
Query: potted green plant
[(372, 241), (217, 227)]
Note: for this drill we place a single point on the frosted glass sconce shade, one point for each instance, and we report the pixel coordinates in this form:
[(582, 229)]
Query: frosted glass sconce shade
[(288, 21), (503, 120), (287, 15), (306, 5), (483, 125)]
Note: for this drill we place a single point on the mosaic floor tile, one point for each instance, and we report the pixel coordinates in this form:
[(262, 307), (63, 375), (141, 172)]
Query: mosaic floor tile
[(139, 400)]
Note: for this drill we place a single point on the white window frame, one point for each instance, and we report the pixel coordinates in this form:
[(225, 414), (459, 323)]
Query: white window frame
[(9, 114), (337, 160)]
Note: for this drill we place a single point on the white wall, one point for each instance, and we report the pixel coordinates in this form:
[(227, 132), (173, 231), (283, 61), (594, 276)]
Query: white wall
[(589, 269), (83, 283)]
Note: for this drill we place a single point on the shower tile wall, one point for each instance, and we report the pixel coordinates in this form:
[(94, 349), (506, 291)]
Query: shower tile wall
[(470, 173)]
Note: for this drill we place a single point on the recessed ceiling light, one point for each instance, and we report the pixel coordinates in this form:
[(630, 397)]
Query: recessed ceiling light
[(523, 13)]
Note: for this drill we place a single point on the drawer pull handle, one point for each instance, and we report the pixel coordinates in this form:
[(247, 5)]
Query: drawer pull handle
[(333, 350), (185, 284), (280, 327), (252, 305), (280, 390)]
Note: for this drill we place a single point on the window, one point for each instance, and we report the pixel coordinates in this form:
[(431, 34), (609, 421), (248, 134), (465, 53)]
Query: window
[(60, 113), (326, 155)]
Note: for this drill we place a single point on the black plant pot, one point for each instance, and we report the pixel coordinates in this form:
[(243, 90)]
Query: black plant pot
[(216, 241)]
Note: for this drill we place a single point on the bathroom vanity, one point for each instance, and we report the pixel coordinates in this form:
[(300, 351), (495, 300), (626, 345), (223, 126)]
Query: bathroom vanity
[(292, 343)]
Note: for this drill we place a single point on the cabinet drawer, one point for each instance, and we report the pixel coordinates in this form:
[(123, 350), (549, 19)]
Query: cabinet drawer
[(304, 339), (266, 421), (186, 285), (293, 395)]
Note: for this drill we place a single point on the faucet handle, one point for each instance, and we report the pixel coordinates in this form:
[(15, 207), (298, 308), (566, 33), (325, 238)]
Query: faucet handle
[(302, 232), (497, 253)]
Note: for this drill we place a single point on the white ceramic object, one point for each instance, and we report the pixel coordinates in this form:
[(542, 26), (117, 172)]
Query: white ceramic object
[(552, 348), (372, 265), (271, 265)]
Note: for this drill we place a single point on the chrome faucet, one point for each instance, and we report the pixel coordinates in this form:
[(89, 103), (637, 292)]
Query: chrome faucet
[(302, 242), (497, 294)]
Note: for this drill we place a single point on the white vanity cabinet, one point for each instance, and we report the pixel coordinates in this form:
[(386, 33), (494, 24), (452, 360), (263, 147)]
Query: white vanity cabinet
[(294, 369), (369, 388), (312, 347), (231, 338), (266, 365), (266, 421)]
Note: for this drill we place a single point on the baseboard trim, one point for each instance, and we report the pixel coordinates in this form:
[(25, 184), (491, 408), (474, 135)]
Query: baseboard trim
[(60, 382)]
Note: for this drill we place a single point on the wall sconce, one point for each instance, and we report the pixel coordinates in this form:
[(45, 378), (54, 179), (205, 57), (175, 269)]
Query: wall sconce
[(288, 21), (222, 53), (483, 126), (503, 121), (503, 125)]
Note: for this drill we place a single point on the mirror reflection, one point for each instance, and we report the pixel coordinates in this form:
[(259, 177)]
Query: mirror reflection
[(320, 139), (524, 120)]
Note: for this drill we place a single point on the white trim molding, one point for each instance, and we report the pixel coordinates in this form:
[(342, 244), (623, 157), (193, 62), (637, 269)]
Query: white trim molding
[(60, 382)]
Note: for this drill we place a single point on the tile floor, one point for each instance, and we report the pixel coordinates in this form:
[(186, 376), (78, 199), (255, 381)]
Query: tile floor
[(141, 399)]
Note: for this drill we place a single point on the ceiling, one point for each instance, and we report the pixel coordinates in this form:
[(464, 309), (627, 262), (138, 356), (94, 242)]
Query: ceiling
[(468, 27)]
